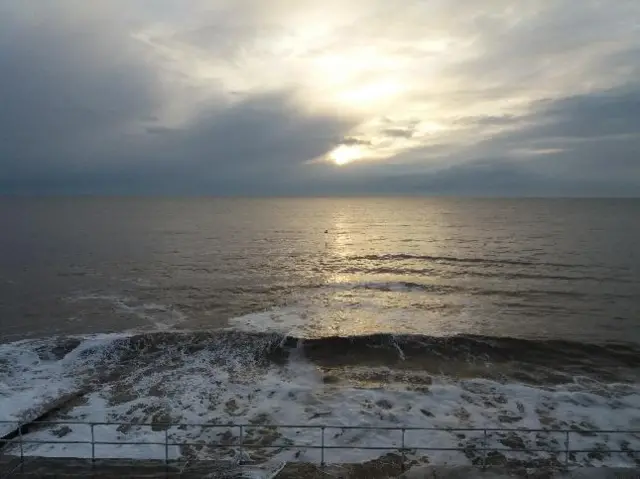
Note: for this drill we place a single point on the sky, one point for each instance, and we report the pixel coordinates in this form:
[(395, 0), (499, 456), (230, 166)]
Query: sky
[(297, 97)]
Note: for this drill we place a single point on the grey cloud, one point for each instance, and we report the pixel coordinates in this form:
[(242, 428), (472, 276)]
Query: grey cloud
[(554, 40), (251, 137), (70, 114), (487, 120), (597, 135), (61, 93), (160, 130), (229, 40), (578, 145), (398, 132), (614, 112), (351, 140), (258, 145), (500, 178), (398, 129)]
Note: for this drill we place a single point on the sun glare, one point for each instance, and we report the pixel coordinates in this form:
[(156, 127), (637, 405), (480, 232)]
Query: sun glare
[(365, 95), (345, 154)]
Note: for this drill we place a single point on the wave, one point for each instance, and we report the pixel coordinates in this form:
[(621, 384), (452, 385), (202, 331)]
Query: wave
[(456, 259), (397, 286), (444, 289), (501, 274), (529, 360)]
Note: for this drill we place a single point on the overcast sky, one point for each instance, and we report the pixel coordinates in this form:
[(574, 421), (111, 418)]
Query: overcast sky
[(334, 97)]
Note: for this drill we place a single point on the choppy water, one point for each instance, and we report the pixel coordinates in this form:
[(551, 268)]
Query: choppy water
[(383, 312)]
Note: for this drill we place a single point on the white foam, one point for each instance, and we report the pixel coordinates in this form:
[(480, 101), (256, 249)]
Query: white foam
[(285, 320), (77, 438), (27, 381), (199, 388)]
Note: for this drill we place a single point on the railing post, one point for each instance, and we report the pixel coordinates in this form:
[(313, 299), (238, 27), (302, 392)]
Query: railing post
[(21, 450), (322, 448), (166, 446), (93, 444), (241, 444), (566, 449), (484, 450), (404, 458)]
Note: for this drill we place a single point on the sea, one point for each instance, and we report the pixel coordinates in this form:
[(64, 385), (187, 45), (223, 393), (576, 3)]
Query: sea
[(432, 314)]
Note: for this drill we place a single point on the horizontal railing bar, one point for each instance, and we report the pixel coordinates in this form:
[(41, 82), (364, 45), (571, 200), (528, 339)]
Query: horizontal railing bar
[(237, 442), (608, 451), (395, 448), (300, 446), (320, 426), (88, 443), (309, 446)]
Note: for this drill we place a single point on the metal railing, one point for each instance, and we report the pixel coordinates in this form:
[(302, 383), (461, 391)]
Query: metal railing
[(241, 442)]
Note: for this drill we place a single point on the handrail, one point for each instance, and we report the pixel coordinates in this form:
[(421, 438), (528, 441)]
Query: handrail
[(242, 443)]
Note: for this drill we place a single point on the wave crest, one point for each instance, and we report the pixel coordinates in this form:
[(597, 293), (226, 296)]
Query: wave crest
[(459, 355)]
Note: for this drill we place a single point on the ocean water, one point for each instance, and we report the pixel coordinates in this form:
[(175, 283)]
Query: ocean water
[(449, 313)]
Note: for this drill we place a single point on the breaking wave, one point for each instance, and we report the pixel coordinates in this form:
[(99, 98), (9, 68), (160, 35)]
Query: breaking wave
[(495, 357)]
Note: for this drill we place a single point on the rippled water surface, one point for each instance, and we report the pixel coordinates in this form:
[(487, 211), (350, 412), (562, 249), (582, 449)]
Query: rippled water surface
[(567, 269)]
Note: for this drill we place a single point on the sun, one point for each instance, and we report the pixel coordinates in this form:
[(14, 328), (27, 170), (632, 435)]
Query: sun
[(344, 154), (372, 94)]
